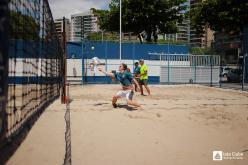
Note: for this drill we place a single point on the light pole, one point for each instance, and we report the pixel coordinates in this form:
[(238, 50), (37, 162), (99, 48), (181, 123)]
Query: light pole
[(120, 30)]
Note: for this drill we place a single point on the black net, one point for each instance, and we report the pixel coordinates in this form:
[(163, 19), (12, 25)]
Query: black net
[(35, 59)]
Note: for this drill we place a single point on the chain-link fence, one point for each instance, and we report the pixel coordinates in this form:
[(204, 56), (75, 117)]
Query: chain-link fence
[(33, 52), (235, 76), (232, 48), (168, 64)]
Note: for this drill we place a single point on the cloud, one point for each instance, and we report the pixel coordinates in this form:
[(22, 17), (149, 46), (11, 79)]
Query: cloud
[(65, 8)]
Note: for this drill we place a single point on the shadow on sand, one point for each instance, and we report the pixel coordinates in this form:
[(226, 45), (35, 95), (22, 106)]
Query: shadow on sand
[(9, 146), (127, 107)]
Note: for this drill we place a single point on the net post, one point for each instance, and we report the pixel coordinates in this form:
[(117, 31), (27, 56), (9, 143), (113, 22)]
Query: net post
[(211, 65), (220, 78), (4, 18), (64, 66)]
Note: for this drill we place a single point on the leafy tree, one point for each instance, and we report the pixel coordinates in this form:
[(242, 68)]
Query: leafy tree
[(202, 51), (220, 15), (152, 16), (97, 36), (103, 16), (23, 27)]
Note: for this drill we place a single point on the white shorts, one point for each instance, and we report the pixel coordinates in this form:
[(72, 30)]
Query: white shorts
[(126, 93)]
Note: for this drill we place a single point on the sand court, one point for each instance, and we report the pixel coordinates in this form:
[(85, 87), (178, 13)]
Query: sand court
[(179, 125)]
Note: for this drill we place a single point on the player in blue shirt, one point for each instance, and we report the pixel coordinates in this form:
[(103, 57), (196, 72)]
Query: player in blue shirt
[(126, 80)]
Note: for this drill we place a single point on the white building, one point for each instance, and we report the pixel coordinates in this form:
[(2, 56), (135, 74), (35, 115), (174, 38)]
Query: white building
[(59, 28), (82, 25)]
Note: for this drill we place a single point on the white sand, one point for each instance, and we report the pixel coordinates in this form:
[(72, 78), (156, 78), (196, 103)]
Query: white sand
[(179, 126)]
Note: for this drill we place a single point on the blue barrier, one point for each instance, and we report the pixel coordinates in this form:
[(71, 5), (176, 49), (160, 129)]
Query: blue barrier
[(19, 48), (108, 80), (22, 80), (74, 50), (130, 51)]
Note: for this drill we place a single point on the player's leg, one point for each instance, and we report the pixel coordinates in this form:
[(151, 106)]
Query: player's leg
[(146, 86), (117, 96), (141, 87), (134, 103), (114, 101), (130, 101), (135, 88)]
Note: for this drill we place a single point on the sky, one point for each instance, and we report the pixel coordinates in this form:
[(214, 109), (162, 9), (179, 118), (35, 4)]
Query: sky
[(65, 8)]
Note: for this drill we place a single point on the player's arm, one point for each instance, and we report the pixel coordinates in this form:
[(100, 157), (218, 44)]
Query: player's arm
[(145, 72), (106, 73), (136, 75)]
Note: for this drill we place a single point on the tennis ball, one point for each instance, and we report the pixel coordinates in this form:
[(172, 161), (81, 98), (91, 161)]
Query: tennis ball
[(92, 48)]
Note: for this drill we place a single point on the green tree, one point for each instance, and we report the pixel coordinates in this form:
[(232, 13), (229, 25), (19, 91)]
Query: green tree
[(152, 16), (220, 15), (23, 27), (109, 36)]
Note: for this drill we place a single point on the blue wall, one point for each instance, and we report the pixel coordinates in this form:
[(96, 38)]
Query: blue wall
[(33, 49), (110, 50), (108, 80)]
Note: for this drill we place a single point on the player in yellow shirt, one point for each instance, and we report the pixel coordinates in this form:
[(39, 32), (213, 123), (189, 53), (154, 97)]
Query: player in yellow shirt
[(143, 77)]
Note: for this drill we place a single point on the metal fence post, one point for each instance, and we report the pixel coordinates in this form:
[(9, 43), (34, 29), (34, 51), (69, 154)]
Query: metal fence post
[(83, 61), (168, 65), (195, 66), (133, 54), (211, 64), (244, 72), (168, 60), (106, 58), (220, 82)]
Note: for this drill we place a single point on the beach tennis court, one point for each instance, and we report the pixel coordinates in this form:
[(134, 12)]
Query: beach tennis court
[(180, 124)]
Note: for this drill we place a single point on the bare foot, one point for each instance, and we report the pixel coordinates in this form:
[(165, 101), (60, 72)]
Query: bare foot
[(140, 107)]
